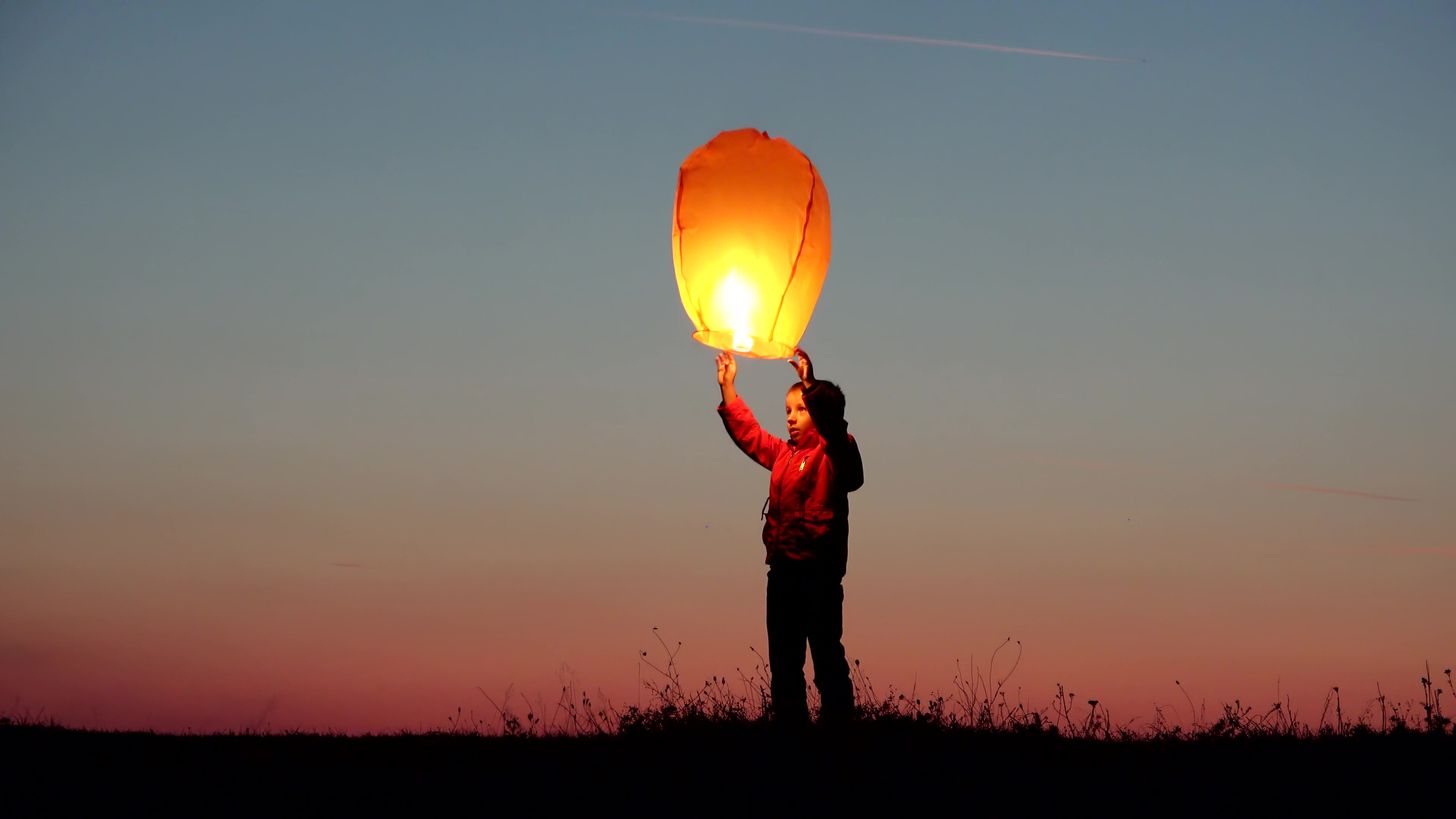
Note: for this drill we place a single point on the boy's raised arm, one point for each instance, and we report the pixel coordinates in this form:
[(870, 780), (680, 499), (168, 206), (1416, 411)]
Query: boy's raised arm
[(826, 407), (738, 419), (727, 373)]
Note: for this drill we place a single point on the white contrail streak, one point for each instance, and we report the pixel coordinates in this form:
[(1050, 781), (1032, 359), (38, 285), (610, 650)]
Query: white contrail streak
[(1328, 490), (887, 38)]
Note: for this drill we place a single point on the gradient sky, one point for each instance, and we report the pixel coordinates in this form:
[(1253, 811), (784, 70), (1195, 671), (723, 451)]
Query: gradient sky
[(345, 374)]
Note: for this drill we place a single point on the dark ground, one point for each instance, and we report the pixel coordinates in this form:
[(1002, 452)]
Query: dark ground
[(717, 770)]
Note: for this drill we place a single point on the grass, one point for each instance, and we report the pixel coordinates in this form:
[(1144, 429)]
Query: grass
[(976, 702), (713, 750)]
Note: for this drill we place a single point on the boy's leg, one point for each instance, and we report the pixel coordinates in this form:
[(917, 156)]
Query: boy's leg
[(786, 635), (826, 628)]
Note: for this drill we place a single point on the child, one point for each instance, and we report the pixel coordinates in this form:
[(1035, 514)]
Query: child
[(806, 533)]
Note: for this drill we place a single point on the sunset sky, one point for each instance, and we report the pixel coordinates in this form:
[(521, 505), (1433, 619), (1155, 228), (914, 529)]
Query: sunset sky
[(345, 376)]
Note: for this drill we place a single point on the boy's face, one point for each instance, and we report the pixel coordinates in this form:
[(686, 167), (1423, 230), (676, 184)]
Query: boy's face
[(797, 415)]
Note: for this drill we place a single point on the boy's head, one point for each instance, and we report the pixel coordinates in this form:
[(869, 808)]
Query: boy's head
[(828, 398)]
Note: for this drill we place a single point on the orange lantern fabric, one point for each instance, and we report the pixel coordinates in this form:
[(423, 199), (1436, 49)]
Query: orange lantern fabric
[(750, 242)]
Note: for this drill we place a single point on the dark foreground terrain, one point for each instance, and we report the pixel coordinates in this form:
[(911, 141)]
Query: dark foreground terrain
[(745, 769)]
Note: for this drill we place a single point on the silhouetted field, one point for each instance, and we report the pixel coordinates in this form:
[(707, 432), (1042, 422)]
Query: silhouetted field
[(715, 751), (704, 768)]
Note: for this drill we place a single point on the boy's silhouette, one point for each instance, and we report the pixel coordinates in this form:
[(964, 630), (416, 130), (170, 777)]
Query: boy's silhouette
[(805, 532)]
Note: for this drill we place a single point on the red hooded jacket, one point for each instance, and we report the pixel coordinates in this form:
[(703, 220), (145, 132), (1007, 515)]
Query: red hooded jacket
[(807, 514)]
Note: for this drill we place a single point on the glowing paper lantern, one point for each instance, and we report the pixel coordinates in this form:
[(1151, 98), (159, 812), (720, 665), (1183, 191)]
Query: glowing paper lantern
[(750, 242)]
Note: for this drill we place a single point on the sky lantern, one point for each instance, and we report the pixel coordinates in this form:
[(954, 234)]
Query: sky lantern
[(750, 242)]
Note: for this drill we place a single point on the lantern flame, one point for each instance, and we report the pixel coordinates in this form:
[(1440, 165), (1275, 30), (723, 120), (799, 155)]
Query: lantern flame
[(737, 300)]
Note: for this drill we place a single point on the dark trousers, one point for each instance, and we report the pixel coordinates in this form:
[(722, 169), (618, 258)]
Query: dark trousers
[(806, 603)]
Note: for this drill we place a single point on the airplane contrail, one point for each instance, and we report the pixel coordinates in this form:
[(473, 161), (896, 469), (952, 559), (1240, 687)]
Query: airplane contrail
[(1102, 466), (1300, 487), (888, 38), (1418, 550)]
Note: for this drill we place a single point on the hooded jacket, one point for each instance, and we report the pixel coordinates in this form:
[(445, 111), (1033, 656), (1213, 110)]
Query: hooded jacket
[(807, 514)]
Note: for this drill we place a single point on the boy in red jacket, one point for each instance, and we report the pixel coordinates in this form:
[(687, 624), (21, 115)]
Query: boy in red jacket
[(805, 532)]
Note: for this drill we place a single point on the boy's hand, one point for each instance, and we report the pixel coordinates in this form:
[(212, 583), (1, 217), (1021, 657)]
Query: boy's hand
[(727, 369), (803, 366)]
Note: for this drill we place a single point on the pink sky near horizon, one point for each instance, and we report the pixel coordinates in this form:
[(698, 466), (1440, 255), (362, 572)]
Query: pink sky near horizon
[(388, 641)]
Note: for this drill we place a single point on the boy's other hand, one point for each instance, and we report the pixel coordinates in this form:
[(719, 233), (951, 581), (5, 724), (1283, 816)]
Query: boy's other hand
[(727, 369), (803, 366)]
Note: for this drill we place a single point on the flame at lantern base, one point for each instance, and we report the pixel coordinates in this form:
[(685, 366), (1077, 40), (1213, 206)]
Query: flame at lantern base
[(743, 344)]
